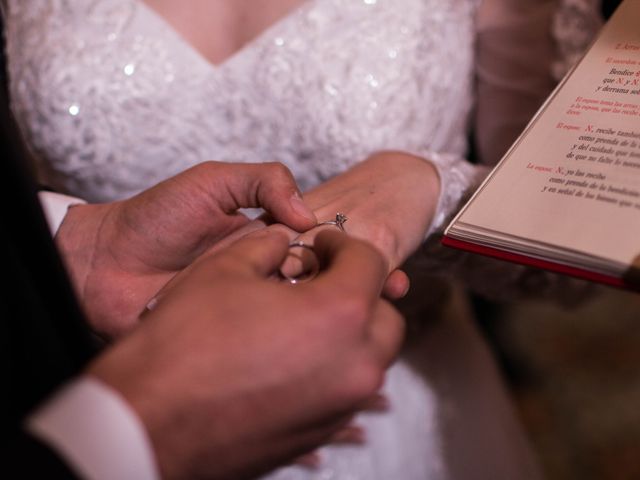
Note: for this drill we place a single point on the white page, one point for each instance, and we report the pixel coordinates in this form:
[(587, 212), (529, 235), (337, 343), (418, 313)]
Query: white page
[(573, 178)]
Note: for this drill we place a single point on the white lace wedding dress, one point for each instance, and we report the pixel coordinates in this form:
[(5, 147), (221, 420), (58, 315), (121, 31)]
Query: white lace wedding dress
[(113, 100)]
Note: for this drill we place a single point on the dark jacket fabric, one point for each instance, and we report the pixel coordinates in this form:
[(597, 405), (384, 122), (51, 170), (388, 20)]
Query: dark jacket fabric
[(609, 6), (43, 337)]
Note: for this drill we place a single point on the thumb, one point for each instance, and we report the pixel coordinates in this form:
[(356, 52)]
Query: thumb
[(272, 187)]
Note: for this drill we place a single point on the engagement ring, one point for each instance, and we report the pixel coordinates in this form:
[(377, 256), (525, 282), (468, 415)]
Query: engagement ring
[(339, 222)]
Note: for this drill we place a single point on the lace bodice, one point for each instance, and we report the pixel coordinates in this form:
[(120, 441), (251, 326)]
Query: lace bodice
[(115, 100)]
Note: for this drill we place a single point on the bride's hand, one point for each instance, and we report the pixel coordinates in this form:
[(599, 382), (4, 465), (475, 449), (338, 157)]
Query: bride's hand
[(389, 200)]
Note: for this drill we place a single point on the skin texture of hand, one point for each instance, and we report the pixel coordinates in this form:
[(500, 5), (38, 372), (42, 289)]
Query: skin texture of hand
[(235, 372), (389, 199), (120, 254), (395, 287)]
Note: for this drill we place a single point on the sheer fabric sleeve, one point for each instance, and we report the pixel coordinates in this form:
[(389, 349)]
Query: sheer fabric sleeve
[(521, 49)]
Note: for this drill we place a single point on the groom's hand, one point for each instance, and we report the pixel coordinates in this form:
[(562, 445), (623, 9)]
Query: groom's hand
[(234, 372), (120, 254)]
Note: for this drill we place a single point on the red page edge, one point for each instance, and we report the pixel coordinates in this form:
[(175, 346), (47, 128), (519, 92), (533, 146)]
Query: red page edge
[(537, 263)]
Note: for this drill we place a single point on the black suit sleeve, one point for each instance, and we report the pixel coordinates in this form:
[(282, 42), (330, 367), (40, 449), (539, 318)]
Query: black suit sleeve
[(609, 6), (28, 458), (44, 340)]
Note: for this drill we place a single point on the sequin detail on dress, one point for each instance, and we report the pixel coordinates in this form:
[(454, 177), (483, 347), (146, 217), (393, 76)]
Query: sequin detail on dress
[(124, 102)]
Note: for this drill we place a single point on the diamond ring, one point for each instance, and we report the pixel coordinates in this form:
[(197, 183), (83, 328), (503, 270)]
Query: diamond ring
[(339, 222)]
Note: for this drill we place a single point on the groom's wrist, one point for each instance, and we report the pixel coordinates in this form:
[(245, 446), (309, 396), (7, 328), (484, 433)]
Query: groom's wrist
[(78, 238)]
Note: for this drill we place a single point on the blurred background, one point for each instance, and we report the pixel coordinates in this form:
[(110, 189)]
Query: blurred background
[(574, 376)]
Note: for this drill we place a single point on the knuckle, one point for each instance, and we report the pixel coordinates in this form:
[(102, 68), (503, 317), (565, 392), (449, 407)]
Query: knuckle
[(353, 310), (365, 379), (392, 315), (279, 171), (206, 173), (206, 167), (225, 263), (207, 164), (112, 327), (400, 325)]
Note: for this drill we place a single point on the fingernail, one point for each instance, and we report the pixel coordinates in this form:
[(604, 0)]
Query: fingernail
[(311, 461), (153, 303), (381, 403), (301, 208), (353, 434), (357, 436)]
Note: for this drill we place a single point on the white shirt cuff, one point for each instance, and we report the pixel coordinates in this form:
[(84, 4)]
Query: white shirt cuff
[(96, 431), (55, 206)]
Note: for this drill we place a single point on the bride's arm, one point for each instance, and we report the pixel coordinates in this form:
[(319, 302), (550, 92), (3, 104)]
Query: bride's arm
[(394, 199)]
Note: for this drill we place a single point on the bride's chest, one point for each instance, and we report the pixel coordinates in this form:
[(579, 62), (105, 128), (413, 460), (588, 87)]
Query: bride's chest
[(219, 28), (341, 46)]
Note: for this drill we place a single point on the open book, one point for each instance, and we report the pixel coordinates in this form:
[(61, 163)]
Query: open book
[(566, 196)]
